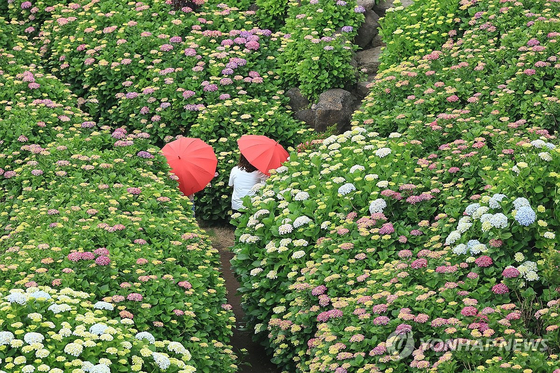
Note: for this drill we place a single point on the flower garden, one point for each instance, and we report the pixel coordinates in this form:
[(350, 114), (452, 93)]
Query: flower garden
[(424, 239)]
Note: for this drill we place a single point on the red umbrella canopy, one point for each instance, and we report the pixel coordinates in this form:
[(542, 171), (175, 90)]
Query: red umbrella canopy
[(193, 161), (262, 152)]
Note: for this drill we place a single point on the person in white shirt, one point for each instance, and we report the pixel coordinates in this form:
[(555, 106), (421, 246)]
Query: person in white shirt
[(243, 178)]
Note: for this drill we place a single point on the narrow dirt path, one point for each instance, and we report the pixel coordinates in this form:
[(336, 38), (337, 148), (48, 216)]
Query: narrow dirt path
[(255, 359)]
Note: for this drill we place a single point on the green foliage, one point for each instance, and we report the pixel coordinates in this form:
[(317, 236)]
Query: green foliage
[(417, 30), (397, 226), (87, 336), (272, 13), (316, 50), (92, 209)]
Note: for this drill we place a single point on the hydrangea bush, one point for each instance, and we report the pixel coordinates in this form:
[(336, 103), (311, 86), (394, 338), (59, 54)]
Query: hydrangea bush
[(441, 234), (95, 209), (49, 330), (316, 49)]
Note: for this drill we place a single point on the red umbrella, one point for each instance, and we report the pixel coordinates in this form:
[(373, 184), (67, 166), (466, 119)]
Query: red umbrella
[(262, 152), (193, 161)]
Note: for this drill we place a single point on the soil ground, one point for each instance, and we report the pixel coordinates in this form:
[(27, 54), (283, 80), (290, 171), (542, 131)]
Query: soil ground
[(254, 360)]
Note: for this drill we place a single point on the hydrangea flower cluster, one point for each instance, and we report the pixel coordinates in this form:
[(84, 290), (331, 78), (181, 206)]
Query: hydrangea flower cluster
[(64, 327)]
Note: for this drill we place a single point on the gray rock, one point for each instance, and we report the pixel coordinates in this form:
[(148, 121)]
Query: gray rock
[(369, 59), (335, 106), (297, 100), (367, 4), (377, 42), (363, 88), (368, 30), (307, 116)]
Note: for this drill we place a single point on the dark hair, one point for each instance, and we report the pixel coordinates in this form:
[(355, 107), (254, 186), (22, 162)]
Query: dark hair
[(245, 165)]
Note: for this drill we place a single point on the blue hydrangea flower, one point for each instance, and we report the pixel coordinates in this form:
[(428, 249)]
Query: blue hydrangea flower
[(525, 216)]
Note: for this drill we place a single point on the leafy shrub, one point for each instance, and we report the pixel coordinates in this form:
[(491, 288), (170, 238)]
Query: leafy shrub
[(151, 76), (90, 208), (66, 327), (444, 92), (354, 248), (420, 29), (353, 177), (272, 13), (316, 51)]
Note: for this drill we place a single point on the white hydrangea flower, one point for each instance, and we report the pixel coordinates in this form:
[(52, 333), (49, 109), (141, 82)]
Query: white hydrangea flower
[(285, 229), (338, 180), (281, 169), (472, 208), (147, 336), (73, 349), (302, 220), (382, 184), (549, 235), (346, 189), (462, 227), (325, 224), (371, 177), (479, 212), (383, 152), (177, 347), (520, 202), (285, 241), (253, 239), (358, 138), (452, 238), (394, 135), (301, 196), (98, 329), (477, 249), (531, 266), (99, 368), (18, 298), (298, 254), (58, 308), (377, 206), (545, 156), (460, 249), (6, 338), (538, 144), (256, 271), (300, 243), (531, 276), (519, 257), (499, 220), (243, 238), (39, 294), (356, 167), (494, 202), (32, 337)]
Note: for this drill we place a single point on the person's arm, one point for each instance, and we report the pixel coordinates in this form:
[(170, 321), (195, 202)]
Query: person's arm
[(231, 177), (263, 177)]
